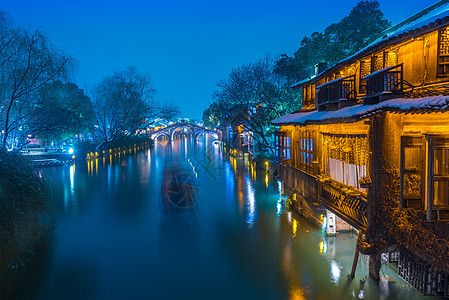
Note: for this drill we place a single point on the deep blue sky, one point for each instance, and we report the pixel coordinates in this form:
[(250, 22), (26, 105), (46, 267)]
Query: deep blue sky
[(186, 46)]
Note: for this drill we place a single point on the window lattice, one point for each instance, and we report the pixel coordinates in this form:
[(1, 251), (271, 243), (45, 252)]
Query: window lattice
[(443, 52), (391, 58), (377, 63)]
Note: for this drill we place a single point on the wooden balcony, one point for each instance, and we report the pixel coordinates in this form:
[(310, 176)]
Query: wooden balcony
[(337, 93), (384, 84), (345, 201)]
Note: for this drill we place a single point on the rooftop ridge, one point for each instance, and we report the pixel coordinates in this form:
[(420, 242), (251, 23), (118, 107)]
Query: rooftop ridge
[(415, 17)]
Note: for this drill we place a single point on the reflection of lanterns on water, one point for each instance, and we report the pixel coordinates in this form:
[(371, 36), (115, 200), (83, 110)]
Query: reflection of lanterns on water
[(323, 247), (294, 227)]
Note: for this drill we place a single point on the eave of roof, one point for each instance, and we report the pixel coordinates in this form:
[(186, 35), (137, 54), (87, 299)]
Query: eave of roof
[(358, 112), (333, 81)]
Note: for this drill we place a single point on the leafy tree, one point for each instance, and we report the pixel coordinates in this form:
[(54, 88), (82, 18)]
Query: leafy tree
[(67, 108), (27, 62), (124, 105), (364, 23)]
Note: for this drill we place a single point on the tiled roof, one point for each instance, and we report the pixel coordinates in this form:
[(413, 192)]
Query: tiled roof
[(426, 91), (357, 112)]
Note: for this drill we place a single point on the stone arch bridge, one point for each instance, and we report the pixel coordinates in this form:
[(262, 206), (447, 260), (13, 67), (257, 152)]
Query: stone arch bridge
[(195, 130)]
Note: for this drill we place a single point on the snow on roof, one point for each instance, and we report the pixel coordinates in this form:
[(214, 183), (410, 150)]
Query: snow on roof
[(381, 71), (301, 82), (423, 18), (358, 112), (334, 81), (420, 20)]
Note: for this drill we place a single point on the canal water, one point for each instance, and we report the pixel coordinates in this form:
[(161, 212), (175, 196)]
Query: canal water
[(116, 237)]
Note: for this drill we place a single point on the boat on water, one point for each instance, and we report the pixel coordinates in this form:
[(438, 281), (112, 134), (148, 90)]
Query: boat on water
[(180, 186)]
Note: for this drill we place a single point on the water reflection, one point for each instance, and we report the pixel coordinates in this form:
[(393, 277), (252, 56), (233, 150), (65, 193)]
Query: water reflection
[(335, 271), (237, 243), (251, 218)]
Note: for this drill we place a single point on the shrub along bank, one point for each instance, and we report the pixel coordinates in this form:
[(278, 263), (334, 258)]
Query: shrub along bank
[(25, 210)]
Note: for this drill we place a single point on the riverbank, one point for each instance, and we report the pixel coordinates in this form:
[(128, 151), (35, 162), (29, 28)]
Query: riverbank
[(86, 151), (25, 213)]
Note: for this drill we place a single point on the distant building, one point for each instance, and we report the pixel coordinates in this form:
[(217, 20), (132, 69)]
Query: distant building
[(373, 135)]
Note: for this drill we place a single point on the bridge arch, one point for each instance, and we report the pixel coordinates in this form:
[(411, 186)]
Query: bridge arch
[(192, 131), (195, 130), (158, 134)]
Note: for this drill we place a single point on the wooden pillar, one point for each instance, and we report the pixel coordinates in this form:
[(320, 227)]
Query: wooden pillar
[(375, 136), (430, 191), (375, 263), (356, 254)]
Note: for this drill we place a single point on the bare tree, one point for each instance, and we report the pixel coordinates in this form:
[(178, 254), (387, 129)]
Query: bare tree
[(124, 105), (251, 96), (27, 62)]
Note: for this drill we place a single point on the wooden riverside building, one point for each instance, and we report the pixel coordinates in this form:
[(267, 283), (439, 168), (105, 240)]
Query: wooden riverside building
[(371, 145)]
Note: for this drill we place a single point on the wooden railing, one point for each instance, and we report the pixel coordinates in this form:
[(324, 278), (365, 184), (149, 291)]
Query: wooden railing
[(347, 202), (388, 80), (335, 91)]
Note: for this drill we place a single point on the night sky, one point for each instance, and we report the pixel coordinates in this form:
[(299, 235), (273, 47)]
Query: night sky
[(186, 46)]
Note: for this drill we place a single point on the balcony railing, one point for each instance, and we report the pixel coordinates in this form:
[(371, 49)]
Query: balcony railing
[(336, 92), (347, 202), (388, 81)]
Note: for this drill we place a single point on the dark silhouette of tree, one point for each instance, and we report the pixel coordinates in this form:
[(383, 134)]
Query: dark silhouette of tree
[(251, 96), (124, 105), (67, 110), (364, 23), (27, 62)]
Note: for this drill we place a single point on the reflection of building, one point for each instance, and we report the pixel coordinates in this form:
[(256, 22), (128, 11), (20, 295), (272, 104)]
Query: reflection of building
[(373, 137), (155, 127), (239, 134)]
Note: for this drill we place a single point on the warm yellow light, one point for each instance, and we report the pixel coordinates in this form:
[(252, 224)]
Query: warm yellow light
[(294, 227), (321, 247)]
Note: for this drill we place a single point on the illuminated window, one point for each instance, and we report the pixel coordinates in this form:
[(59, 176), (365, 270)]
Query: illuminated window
[(377, 62), (443, 52), (415, 187), (286, 151), (441, 177), (412, 172), (308, 95), (391, 58), (364, 70), (282, 148), (439, 181), (304, 151)]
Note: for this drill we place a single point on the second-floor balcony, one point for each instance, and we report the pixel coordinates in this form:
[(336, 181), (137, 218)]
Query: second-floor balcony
[(384, 84), (337, 93), (346, 201)]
